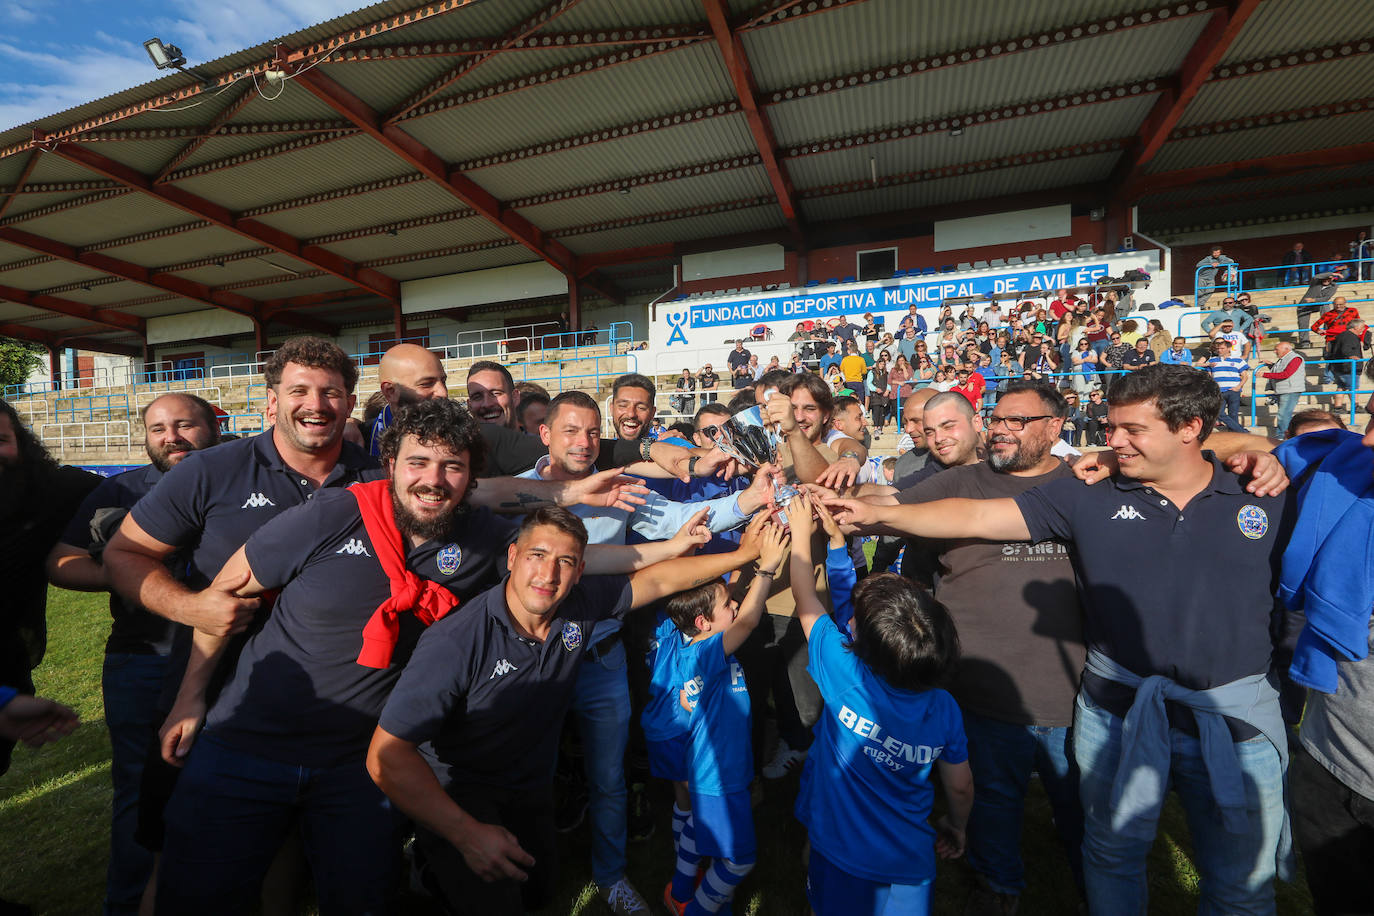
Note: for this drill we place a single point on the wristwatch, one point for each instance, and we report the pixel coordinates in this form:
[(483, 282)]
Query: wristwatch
[(692, 465), (644, 449)]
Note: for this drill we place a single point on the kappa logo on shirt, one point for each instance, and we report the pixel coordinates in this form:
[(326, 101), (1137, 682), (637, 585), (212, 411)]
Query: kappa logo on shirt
[(354, 548), (256, 501), (1128, 513), (502, 667)]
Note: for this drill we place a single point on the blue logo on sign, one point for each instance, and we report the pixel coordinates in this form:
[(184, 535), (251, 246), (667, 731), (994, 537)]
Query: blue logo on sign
[(1252, 521), (677, 321), (572, 636), (449, 558)]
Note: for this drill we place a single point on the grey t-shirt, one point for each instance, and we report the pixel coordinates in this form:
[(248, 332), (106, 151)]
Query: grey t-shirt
[(1338, 728), (1016, 607)]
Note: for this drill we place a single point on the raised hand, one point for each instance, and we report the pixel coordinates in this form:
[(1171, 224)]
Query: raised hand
[(844, 472), (776, 543), (751, 542), (799, 516), (778, 409), (609, 489), (853, 512), (692, 535), (828, 523)]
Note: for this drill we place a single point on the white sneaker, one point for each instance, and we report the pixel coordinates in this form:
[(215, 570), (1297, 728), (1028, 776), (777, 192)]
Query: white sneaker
[(784, 761), (623, 899)]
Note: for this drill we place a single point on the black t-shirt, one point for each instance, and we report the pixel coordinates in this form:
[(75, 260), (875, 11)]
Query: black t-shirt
[(1187, 594), (486, 704), (1016, 607), (36, 501), (297, 693), (135, 630), (738, 358), (509, 451), (1135, 359)]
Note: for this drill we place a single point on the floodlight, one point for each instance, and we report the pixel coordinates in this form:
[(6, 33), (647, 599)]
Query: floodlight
[(164, 57)]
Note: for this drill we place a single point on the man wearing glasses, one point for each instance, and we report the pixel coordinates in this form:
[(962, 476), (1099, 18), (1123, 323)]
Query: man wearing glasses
[(1230, 311), (1021, 632)]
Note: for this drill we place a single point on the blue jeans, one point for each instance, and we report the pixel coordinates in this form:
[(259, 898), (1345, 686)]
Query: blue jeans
[(1002, 755), (1230, 411), (601, 701), (130, 685), (231, 811), (1287, 404), (1236, 870)]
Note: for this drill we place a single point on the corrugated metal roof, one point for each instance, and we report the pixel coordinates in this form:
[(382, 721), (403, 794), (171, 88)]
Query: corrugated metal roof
[(644, 153), (1282, 90), (1079, 170), (103, 295), (1125, 57), (55, 168), (374, 208), (1054, 130), (861, 36), (1286, 25), (688, 77), (420, 238), (681, 230), (383, 85), (27, 203), (174, 306), (734, 184), (1316, 133), (221, 147), (13, 311), (295, 174), (113, 218), (210, 241), (458, 263), (51, 273), (1324, 203), (596, 15)]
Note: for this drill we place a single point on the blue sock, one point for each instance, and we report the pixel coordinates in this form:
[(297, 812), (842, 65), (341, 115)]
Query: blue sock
[(679, 821), (718, 887), (685, 875)]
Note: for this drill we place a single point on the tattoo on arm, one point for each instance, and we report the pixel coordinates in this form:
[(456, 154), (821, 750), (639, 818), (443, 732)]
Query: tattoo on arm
[(527, 502)]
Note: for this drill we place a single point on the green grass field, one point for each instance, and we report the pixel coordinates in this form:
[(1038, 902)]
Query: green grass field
[(54, 816)]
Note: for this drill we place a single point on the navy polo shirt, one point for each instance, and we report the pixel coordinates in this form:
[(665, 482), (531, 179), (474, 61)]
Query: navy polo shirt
[(135, 630), (486, 704), (297, 693), (1184, 594)]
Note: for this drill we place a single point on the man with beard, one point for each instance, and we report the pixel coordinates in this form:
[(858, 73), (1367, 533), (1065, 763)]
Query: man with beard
[(601, 695), (1021, 631), (360, 573), (175, 425), (409, 374)]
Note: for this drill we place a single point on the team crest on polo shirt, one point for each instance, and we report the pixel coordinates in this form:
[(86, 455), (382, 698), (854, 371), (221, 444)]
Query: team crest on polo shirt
[(1252, 522), (450, 555), (572, 636)]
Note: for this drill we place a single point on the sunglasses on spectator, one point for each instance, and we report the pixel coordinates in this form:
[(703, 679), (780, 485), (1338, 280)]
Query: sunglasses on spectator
[(1015, 424)]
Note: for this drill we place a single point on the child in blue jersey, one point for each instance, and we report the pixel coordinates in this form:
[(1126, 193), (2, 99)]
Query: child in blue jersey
[(666, 722), (719, 759), (884, 727)]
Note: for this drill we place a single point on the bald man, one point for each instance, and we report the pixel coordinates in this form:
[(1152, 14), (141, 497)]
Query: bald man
[(407, 374)]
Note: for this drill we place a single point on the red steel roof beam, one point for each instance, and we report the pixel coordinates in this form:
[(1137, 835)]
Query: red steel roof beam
[(98, 346), (110, 318), (246, 95), (331, 263), (511, 38), (20, 182), (428, 163), (742, 76), (1251, 169), (1211, 46)]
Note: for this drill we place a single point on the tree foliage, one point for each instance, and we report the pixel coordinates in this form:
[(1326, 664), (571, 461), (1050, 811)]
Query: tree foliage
[(18, 359)]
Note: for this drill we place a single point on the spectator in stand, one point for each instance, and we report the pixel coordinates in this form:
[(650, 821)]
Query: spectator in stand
[(869, 353), (970, 384), (1075, 422), (899, 384), (1231, 373), (1130, 332), (871, 330), (685, 404), (797, 364), (1212, 271), (844, 332), (1096, 330), (1095, 424), (854, 367), (589, 335), (753, 369), (1139, 357), (830, 358), (993, 316), (1084, 362), (1158, 337), (740, 374), (709, 383), (1362, 256), (1113, 360), (923, 374), (1178, 353), (919, 323), (1335, 318), (1289, 378), (877, 385), (1227, 331), (799, 334), (1325, 282), (1256, 331), (1061, 305), (1350, 345), (888, 347), (1231, 311), (1295, 260)]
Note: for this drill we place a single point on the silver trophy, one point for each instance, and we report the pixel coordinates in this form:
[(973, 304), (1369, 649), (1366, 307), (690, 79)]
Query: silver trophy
[(748, 439)]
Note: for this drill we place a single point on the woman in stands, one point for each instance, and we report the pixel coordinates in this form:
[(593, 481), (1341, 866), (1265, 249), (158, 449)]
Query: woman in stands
[(1160, 339), (944, 381), (870, 331), (876, 383), (1084, 363), (685, 404), (923, 376), (888, 347), (1098, 331), (797, 365)]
